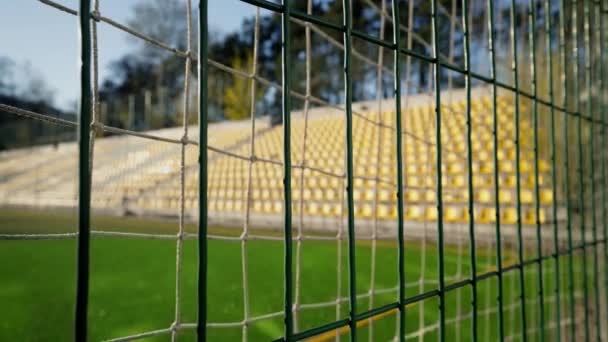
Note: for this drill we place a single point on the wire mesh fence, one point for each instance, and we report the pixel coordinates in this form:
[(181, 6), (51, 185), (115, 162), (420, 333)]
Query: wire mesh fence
[(464, 199)]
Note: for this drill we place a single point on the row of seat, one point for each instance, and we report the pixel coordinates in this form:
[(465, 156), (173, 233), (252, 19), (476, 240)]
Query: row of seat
[(414, 212), (145, 174)]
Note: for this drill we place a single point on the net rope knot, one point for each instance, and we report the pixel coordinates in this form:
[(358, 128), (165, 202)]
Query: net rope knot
[(96, 15), (188, 54), (184, 139), (174, 327), (97, 126)]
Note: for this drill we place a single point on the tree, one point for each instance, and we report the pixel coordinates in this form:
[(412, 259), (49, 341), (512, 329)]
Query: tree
[(24, 87), (163, 20), (7, 83), (237, 95)]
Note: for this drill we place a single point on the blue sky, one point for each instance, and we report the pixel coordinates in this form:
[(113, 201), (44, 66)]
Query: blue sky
[(47, 39)]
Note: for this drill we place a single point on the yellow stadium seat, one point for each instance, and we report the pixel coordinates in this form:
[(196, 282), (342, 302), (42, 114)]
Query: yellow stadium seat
[(431, 213), (457, 181), (412, 196), (385, 195), (486, 167), (527, 196), (312, 208), (509, 215), (366, 211), (413, 213), (386, 211), (483, 196), (505, 196), (455, 214), (506, 167), (546, 196), (268, 207), (525, 167), (530, 217), (486, 215), (326, 209), (429, 196), (543, 166)]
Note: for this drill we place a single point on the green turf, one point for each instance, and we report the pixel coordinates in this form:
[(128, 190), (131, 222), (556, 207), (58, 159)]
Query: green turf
[(133, 283)]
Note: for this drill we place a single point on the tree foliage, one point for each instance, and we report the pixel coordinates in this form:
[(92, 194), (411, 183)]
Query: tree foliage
[(237, 95), (22, 86)]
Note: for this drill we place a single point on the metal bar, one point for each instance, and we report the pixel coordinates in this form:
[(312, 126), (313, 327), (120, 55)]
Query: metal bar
[(440, 249), (539, 250), (420, 56), (520, 243), (377, 311), (591, 142), (203, 74), (557, 279), (471, 212), (579, 165), (84, 172), (352, 280), (286, 97), (371, 39), (492, 47), (602, 90), (316, 20), (320, 330), (458, 284), (399, 143), (564, 93)]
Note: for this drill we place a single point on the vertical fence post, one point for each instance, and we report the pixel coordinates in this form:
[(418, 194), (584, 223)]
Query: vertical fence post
[(556, 248), (539, 249), (499, 270), (591, 142), (439, 189), (564, 94), (285, 37), (399, 150), (471, 211), (352, 280), (84, 172), (201, 327), (579, 164), (520, 246), (602, 90)]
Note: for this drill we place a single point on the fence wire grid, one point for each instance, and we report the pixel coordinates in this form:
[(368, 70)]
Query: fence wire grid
[(559, 244)]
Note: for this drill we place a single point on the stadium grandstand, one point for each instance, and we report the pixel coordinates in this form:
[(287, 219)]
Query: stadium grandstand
[(146, 182)]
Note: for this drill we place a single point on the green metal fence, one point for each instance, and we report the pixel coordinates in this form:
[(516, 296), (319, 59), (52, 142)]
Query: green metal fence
[(574, 96), (593, 116)]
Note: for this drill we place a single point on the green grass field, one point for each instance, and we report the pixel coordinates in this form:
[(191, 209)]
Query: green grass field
[(133, 283)]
